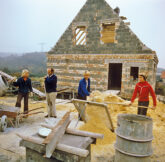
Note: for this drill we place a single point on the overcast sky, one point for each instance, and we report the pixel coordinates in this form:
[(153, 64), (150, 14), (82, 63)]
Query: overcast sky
[(24, 24)]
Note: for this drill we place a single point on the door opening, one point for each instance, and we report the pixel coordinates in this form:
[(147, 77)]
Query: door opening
[(115, 76)]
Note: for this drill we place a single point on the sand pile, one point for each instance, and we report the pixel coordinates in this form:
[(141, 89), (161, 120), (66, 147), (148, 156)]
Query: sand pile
[(98, 122)]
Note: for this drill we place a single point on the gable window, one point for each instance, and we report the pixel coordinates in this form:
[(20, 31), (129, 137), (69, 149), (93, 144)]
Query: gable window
[(134, 72), (79, 37), (108, 33)]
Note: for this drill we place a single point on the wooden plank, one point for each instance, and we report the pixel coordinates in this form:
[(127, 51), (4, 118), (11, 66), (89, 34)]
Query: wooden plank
[(39, 93), (107, 41), (108, 31), (58, 131), (81, 107), (89, 102), (84, 133), (31, 139), (78, 132), (61, 147), (108, 35), (109, 118), (73, 150)]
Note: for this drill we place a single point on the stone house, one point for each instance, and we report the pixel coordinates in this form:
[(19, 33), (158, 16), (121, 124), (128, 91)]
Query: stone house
[(99, 40)]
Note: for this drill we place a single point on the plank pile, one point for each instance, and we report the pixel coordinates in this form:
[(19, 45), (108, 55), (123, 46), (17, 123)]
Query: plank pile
[(53, 141)]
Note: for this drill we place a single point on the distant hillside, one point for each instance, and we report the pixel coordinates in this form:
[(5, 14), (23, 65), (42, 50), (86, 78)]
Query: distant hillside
[(4, 54), (35, 62)]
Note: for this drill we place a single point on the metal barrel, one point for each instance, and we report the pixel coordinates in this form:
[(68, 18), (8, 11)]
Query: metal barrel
[(3, 85), (134, 138)]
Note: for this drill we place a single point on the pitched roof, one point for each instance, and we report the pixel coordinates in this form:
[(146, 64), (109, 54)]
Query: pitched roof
[(93, 14)]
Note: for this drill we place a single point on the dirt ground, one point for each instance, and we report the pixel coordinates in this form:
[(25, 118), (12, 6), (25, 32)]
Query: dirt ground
[(104, 149)]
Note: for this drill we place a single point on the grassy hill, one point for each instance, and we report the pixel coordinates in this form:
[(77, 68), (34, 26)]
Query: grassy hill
[(34, 62)]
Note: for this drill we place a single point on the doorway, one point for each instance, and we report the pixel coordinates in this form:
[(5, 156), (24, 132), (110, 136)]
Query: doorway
[(115, 76)]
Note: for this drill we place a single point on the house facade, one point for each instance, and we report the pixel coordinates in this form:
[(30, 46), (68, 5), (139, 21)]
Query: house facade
[(99, 40)]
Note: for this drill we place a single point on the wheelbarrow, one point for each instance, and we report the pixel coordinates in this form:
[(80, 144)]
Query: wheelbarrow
[(14, 116)]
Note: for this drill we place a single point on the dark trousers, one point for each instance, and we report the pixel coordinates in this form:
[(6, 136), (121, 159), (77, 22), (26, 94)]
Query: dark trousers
[(82, 98), (141, 110), (24, 96)]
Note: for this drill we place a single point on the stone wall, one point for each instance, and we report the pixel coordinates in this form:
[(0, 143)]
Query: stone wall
[(92, 15), (69, 69)]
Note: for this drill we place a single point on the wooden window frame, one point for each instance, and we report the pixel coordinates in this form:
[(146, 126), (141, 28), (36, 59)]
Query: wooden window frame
[(109, 22), (80, 35), (132, 72)]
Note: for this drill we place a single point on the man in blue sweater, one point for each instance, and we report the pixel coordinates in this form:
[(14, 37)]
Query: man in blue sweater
[(51, 92), (84, 86), (25, 86)]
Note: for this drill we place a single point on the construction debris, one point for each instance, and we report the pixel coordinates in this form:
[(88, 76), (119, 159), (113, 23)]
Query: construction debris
[(52, 141)]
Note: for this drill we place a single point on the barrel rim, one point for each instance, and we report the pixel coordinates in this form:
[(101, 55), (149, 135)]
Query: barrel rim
[(135, 155), (133, 139), (134, 115)]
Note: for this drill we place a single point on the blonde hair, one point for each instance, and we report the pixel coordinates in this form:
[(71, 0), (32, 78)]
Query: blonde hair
[(87, 73), (24, 72)]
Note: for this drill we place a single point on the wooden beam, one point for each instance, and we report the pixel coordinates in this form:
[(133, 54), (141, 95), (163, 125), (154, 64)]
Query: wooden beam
[(109, 118), (84, 133), (78, 132), (73, 150), (89, 102), (81, 110), (54, 137), (31, 139)]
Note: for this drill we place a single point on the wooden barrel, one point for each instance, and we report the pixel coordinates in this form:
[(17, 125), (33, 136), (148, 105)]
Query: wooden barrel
[(134, 138)]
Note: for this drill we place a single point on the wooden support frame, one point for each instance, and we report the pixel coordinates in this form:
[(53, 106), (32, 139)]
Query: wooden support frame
[(105, 106)]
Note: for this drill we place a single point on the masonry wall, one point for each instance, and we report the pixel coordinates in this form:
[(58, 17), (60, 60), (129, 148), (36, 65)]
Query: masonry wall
[(69, 69)]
